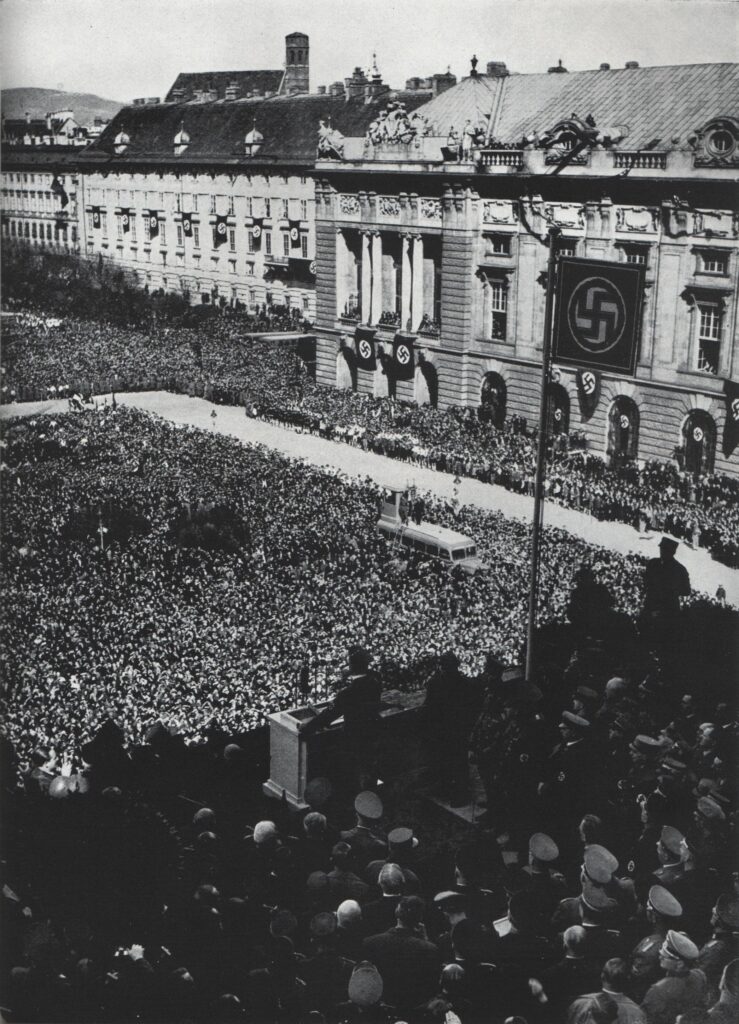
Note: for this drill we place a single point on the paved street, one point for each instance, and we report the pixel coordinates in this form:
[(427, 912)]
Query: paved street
[(705, 573)]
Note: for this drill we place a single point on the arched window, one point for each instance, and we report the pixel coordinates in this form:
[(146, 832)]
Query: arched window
[(699, 442), (623, 430), (346, 370), (493, 398), (426, 384), (558, 411)]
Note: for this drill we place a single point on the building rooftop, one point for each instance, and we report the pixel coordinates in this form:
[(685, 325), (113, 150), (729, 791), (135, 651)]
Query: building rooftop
[(190, 83), (654, 104)]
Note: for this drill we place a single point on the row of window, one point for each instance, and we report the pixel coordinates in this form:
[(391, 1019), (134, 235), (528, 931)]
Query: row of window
[(709, 261), (33, 179), (256, 206), (32, 201), (42, 232), (270, 298)]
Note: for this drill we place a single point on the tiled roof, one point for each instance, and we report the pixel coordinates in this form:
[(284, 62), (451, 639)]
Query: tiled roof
[(191, 82), (288, 124), (18, 127), (657, 103)]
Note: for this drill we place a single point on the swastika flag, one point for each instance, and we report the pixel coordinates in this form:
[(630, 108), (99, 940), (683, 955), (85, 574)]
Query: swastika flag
[(588, 391), (731, 428), (364, 345), (598, 317), (403, 363)]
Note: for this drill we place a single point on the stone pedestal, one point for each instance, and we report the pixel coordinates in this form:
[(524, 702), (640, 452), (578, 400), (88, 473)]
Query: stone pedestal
[(288, 757)]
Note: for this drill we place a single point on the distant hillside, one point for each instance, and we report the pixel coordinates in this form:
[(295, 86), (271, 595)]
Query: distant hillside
[(39, 102)]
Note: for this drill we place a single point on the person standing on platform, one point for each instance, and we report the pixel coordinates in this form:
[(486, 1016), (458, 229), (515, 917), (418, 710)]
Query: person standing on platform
[(359, 703), (448, 713), (665, 581)]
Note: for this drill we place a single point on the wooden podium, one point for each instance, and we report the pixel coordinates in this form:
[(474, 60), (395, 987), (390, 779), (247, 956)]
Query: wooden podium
[(295, 758)]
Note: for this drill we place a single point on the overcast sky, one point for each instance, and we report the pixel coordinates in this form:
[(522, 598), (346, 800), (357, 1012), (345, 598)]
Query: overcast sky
[(125, 48)]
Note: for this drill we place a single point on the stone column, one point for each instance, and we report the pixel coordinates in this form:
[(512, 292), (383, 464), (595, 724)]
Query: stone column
[(376, 306), (405, 283), (366, 286), (417, 292)]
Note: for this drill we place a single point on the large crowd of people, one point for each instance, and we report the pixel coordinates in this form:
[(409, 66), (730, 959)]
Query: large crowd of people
[(165, 588), (217, 360)]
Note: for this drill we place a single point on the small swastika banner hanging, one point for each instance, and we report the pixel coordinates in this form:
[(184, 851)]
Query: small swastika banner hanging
[(598, 317)]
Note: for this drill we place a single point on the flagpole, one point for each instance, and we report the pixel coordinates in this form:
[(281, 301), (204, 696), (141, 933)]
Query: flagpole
[(541, 454)]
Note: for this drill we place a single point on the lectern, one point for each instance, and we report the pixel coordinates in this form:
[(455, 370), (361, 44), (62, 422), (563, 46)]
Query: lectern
[(288, 757)]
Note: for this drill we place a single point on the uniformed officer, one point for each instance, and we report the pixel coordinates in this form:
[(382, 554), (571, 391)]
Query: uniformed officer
[(545, 882), (683, 986), (663, 911), (665, 582), (567, 787), (599, 867), (723, 946), (366, 840), (670, 847)]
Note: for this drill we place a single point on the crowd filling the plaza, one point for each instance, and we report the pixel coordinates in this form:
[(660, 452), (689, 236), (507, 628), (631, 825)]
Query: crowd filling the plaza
[(219, 359), (165, 588)]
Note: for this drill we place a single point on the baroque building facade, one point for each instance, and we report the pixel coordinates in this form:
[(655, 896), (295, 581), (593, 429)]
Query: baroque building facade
[(437, 235)]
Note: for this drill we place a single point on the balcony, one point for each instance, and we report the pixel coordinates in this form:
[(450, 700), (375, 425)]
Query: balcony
[(640, 160), (389, 319), (429, 328), (351, 312), (512, 158), (273, 260)]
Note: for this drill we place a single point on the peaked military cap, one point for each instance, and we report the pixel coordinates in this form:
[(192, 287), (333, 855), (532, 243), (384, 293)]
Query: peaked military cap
[(543, 847), (672, 839), (727, 910), (597, 899), (599, 864), (576, 721), (677, 946), (647, 745), (402, 838), (450, 901), (709, 809), (365, 985), (368, 805), (663, 902)]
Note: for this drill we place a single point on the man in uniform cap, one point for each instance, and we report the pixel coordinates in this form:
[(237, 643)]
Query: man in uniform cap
[(726, 1010), (665, 582), (366, 840), (402, 845), (670, 853), (663, 911), (683, 986), (548, 884), (723, 946), (566, 790), (365, 990)]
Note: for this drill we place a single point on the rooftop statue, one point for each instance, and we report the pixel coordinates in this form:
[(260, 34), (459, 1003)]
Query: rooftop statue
[(330, 142)]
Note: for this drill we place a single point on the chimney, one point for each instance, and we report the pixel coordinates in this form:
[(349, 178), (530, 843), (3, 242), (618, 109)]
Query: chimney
[(413, 84), (48, 121), (296, 79), (178, 95), (336, 89), (497, 69), (604, 67), (232, 91), (440, 83), (153, 99), (268, 93), (356, 84), (28, 118), (558, 69), (321, 90), (631, 64)]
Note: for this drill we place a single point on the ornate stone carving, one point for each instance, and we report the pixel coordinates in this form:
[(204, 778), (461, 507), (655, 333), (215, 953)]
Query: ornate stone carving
[(348, 205), (719, 223), (330, 142), (499, 211), (430, 209), (388, 206), (637, 218), (395, 126), (566, 215)]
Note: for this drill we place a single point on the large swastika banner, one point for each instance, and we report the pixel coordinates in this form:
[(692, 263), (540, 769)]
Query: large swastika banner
[(598, 317)]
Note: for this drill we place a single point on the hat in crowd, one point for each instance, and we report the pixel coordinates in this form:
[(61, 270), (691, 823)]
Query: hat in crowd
[(449, 901), (588, 694), (513, 675), (232, 752), (316, 881), (323, 925), (543, 848), (318, 792), (727, 910), (599, 864), (709, 809), (576, 721), (282, 922), (669, 544), (709, 787), (672, 839), (348, 913), (368, 805), (264, 832), (205, 818), (679, 948), (401, 839), (615, 686), (596, 900), (663, 902), (646, 745), (365, 985)]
